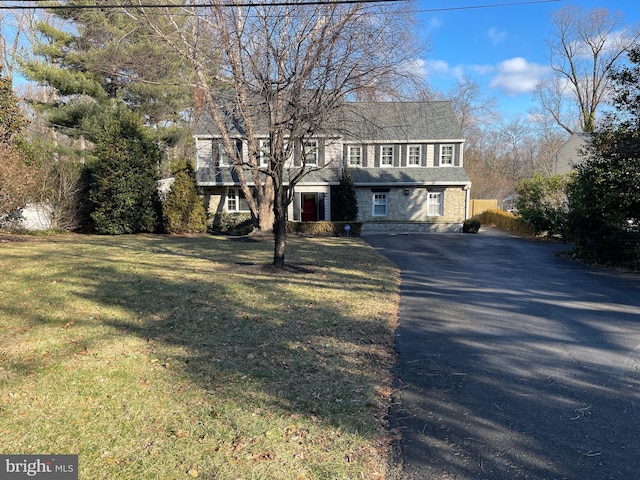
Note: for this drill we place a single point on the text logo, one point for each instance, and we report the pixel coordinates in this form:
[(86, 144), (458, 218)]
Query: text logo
[(45, 467)]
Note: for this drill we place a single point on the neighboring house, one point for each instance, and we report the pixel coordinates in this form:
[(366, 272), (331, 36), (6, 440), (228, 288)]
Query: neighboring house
[(405, 159), (570, 153)]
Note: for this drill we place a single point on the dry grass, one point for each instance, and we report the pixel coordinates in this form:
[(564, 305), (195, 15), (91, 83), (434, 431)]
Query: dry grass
[(156, 357)]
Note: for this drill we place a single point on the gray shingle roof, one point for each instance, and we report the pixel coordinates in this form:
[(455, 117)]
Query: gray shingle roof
[(371, 122), (400, 122)]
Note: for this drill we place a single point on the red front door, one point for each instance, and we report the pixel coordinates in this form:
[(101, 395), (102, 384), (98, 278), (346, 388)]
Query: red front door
[(309, 207)]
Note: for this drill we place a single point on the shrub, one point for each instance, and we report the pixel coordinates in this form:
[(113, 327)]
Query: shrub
[(183, 210), (505, 221), (471, 225), (124, 188), (541, 203), (232, 223), (325, 229)]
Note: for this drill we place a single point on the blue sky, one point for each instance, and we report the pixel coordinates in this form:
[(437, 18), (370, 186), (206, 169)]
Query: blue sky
[(503, 48)]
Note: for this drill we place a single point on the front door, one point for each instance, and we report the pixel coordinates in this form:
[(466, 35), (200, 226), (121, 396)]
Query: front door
[(309, 207)]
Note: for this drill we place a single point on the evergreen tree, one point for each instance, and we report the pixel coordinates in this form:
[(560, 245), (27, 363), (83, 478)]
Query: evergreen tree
[(183, 210), (604, 195), (344, 204), (100, 57), (124, 188)]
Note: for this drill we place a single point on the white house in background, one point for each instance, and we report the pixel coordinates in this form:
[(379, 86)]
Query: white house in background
[(570, 153), (406, 160)]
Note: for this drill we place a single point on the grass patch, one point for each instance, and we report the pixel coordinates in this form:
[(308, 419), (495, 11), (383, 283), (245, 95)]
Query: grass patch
[(157, 357)]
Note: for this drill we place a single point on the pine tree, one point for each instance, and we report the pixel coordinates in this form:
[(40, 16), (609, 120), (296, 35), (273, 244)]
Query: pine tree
[(100, 57)]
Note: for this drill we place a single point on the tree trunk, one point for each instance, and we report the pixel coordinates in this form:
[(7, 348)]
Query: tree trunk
[(279, 227)]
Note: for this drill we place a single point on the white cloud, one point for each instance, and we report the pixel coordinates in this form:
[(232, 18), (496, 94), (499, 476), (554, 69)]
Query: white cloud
[(433, 23), (517, 75), (443, 69), (496, 36)]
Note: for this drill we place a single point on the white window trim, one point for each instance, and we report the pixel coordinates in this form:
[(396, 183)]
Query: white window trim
[(375, 203), (409, 147), (453, 152), (310, 152), (264, 150), (233, 193), (354, 148), (439, 203), (393, 151)]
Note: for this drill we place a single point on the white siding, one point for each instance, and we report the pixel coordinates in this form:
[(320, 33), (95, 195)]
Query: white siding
[(430, 155)]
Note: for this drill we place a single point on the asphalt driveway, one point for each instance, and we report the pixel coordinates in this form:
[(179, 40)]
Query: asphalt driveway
[(514, 362)]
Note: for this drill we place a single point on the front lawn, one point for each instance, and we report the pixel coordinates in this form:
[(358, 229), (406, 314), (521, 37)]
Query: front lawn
[(157, 357)]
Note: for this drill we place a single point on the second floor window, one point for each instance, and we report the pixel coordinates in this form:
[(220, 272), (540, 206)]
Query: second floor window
[(386, 156), (265, 150), (355, 156), (223, 159), (310, 152), (446, 155), (413, 155)]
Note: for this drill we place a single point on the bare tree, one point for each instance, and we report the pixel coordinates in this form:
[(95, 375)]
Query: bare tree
[(284, 69), (584, 48)]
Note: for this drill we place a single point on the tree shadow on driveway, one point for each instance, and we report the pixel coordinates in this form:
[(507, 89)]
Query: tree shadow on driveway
[(513, 362)]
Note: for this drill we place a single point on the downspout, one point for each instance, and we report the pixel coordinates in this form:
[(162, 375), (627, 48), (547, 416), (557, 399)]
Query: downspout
[(467, 201)]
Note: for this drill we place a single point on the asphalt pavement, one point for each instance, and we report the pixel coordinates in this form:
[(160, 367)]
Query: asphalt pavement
[(514, 362)]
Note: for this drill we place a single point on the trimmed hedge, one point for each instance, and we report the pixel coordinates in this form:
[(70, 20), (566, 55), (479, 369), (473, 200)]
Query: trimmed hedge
[(232, 223), (505, 221), (324, 229)]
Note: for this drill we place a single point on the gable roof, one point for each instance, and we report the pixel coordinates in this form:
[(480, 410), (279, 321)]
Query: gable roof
[(400, 122), (365, 122)]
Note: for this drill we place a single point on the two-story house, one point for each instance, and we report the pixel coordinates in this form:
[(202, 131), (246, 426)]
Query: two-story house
[(405, 159)]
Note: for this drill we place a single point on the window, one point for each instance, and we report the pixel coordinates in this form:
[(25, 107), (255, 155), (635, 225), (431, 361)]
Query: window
[(434, 204), (386, 156), (380, 205), (223, 157), (414, 155), (310, 152), (265, 151), (355, 156), (236, 201), (446, 155)]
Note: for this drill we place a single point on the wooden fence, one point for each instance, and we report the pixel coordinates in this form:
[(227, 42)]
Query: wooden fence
[(478, 206)]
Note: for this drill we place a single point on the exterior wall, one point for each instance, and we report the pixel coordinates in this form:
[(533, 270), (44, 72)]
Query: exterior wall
[(413, 207), (214, 200)]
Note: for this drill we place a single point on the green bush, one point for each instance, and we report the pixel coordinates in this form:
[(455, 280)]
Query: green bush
[(183, 210), (232, 223), (324, 229), (542, 204), (124, 188), (505, 221), (471, 225)]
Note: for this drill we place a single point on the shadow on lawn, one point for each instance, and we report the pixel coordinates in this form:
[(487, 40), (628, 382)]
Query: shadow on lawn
[(234, 327)]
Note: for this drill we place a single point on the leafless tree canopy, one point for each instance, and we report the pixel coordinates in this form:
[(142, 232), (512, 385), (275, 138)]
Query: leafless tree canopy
[(585, 46), (293, 65)]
